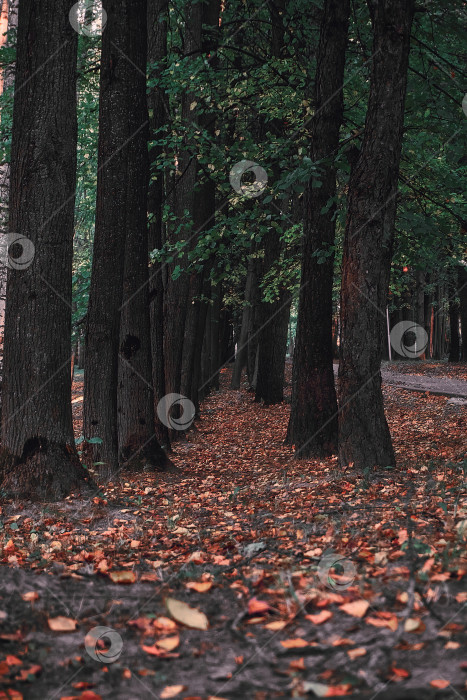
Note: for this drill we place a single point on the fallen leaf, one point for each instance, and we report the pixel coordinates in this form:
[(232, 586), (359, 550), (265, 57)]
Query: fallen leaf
[(190, 617), (327, 691), (357, 608), (355, 653), (440, 683), (297, 664), (296, 643), (398, 673), (199, 586), (169, 643), (124, 577), (62, 624), (164, 624), (170, 691), (320, 617), (30, 596), (389, 621), (256, 606), (276, 625)]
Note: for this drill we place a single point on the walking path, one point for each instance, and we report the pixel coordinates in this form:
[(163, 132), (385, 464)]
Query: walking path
[(443, 386)]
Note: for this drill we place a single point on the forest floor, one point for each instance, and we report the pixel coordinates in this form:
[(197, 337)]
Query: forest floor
[(249, 575)]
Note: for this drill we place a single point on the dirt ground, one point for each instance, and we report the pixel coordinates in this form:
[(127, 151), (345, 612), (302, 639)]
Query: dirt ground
[(313, 582)]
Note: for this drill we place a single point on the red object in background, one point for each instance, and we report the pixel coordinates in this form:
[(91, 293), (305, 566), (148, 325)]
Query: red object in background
[(405, 269)]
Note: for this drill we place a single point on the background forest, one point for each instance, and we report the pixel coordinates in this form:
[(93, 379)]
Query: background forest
[(233, 298)]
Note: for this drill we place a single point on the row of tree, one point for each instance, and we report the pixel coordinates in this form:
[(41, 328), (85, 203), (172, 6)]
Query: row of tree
[(153, 113)]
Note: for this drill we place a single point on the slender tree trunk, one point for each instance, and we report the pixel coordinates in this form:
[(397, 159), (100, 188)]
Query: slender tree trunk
[(157, 103), (177, 291), (462, 291), (214, 327), (454, 345), (364, 437), (313, 418), (39, 457), (138, 445), (120, 122), (241, 356)]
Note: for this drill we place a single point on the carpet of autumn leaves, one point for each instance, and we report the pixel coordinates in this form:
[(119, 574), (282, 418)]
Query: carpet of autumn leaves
[(303, 579)]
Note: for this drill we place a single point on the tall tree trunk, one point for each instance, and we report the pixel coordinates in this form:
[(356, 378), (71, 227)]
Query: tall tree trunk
[(274, 316), (462, 291), (241, 356), (120, 123), (203, 218), (364, 437), (214, 329), (38, 456), (177, 291), (138, 444), (313, 418), (454, 345), (157, 103), (9, 21)]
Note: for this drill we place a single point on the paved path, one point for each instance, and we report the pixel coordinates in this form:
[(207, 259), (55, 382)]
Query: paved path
[(413, 382)]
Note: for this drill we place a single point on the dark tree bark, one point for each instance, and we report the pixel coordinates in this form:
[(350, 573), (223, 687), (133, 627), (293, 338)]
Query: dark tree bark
[(454, 345), (159, 118), (364, 437), (241, 356), (123, 127), (138, 444), (39, 459), (177, 291), (462, 291), (214, 329), (274, 316), (313, 419), (203, 220)]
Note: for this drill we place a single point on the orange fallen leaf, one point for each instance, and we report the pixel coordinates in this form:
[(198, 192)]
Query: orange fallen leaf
[(170, 691), (30, 596), (320, 617), (10, 695), (294, 643), (190, 617), (390, 621), (199, 586), (62, 624), (297, 664), (398, 673), (164, 624), (357, 608), (155, 650), (124, 577), (440, 683), (256, 606), (26, 673), (169, 643), (276, 625), (355, 653), (13, 660)]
